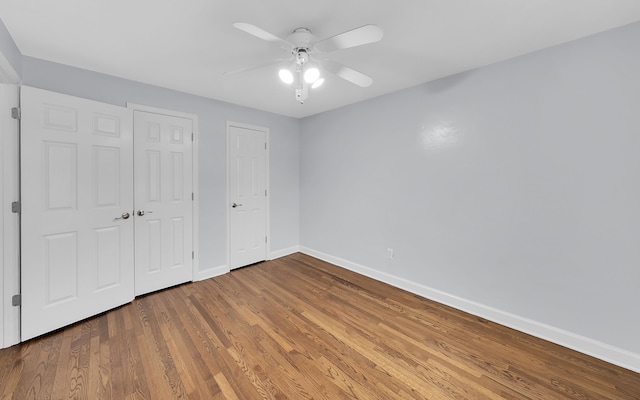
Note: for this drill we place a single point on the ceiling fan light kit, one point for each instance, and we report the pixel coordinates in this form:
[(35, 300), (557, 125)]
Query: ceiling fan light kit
[(317, 83), (304, 70), (286, 76), (311, 75), (300, 74)]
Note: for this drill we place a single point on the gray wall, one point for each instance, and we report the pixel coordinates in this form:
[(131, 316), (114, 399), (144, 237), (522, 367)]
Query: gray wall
[(212, 117), (515, 186)]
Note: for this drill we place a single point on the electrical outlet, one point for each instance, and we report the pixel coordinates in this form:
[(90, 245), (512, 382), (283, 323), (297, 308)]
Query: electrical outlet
[(389, 253)]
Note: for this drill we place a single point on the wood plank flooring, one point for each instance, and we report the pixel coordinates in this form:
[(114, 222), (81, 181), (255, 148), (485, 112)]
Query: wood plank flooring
[(299, 328)]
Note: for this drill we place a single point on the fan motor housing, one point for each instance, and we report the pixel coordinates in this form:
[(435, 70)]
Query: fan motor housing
[(301, 37)]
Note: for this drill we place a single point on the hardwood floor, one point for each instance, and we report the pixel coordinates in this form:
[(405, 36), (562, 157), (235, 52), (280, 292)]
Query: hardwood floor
[(299, 328)]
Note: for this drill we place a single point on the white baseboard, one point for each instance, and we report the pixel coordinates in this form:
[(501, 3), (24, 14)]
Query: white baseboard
[(283, 252), (223, 269), (210, 273), (594, 348)]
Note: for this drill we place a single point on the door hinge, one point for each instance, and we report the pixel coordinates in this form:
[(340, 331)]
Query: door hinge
[(265, 145), (193, 196), (193, 255), (16, 300), (15, 207), (265, 239), (192, 136), (16, 113), (265, 193)]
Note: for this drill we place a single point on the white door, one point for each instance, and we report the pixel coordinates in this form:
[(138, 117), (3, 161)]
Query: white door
[(163, 201), (77, 204), (247, 195)]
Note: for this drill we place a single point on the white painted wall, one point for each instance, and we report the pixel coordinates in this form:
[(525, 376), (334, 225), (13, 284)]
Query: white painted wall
[(511, 191), (212, 117)]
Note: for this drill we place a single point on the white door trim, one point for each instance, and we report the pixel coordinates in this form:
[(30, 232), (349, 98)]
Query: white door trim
[(10, 222), (228, 182), (194, 169), (7, 73), (9, 192)]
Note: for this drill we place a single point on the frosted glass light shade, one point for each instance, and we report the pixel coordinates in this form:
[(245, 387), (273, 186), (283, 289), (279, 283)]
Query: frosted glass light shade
[(311, 75), (286, 76), (317, 83)]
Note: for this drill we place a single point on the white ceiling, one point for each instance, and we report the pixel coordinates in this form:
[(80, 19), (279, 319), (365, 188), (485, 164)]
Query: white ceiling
[(186, 45)]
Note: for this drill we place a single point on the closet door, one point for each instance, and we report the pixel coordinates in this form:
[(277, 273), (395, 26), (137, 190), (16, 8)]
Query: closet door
[(163, 201), (77, 209)]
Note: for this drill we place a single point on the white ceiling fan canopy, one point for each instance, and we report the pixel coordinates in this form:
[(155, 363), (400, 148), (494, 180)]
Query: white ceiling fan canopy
[(301, 37)]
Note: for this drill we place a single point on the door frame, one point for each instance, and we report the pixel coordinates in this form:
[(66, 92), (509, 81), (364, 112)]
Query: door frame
[(267, 187), (194, 171), (9, 192)]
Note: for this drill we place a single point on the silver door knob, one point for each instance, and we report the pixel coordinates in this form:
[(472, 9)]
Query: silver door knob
[(142, 212), (125, 215), (234, 205)]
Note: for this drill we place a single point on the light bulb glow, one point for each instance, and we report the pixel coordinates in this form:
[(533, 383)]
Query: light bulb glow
[(317, 83), (286, 76), (311, 75)]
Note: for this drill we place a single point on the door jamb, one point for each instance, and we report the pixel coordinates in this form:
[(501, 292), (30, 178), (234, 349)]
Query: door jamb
[(10, 222), (194, 177), (9, 192), (228, 182)]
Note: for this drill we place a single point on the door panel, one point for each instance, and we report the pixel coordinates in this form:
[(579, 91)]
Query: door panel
[(247, 194), (77, 181), (163, 176)]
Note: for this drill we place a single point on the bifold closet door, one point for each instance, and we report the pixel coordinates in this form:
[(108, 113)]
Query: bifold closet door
[(77, 205)]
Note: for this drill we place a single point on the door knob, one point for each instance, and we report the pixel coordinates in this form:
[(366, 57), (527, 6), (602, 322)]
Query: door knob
[(142, 212), (234, 205), (125, 215)]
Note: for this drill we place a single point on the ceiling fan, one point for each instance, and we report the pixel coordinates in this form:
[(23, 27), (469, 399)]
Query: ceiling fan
[(304, 67)]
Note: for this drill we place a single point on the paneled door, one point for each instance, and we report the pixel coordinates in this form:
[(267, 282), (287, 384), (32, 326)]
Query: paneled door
[(247, 195), (77, 204), (163, 201)]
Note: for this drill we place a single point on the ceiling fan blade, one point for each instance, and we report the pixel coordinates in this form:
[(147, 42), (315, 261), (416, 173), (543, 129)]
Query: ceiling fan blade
[(346, 73), (259, 32), (254, 67), (355, 37)]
